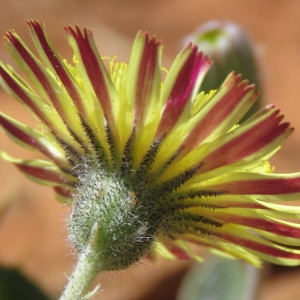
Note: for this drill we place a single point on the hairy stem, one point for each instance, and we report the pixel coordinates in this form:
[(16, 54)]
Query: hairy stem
[(85, 272)]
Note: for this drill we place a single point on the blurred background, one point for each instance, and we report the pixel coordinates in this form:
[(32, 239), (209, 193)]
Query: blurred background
[(32, 234)]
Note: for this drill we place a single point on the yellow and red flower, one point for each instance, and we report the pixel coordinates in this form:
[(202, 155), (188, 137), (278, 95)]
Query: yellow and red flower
[(157, 163)]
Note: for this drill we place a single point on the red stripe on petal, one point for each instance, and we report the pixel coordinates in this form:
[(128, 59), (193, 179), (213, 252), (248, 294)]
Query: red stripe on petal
[(177, 251), (93, 67), (66, 193), (42, 173), (259, 247), (183, 87), (262, 186), (35, 68), (220, 111), (56, 64), (146, 74), (16, 88), (247, 143), (199, 241), (237, 204), (23, 136), (261, 224)]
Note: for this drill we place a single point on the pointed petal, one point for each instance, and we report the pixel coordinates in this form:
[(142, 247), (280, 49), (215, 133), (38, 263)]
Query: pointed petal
[(64, 194), (215, 114), (255, 184), (52, 59), (144, 75), (46, 113), (257, 219), (180, 87), (251, 141), (143, 89), (226, 107), (94, 74), (222, 248), (171, 249), (48, 87), (261, 247), (41, 171), (32, 139), (20, 90)]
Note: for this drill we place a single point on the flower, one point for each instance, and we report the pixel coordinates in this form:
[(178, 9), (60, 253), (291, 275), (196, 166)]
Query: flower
[(149, 163)]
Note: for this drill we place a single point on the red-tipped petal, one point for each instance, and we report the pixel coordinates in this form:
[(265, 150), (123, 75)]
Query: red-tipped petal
[(42, 173), (64, 194), (95, 70), (23, 94), (225, 109), (144, 72), (31, 138), (184, 81), (247, 141), (257, 184), (39, 36), (29, 62), (260, 223), (261, 246)]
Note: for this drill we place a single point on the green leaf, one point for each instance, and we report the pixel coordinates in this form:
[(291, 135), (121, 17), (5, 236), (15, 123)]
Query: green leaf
[(219, 279), (14, 286)]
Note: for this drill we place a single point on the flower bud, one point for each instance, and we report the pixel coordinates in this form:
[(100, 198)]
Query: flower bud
[(230, 49)]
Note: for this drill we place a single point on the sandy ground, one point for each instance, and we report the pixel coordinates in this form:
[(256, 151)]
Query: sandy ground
[(32, 234)]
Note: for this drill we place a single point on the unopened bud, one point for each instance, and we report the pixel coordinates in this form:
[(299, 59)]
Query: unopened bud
[(230, 49)]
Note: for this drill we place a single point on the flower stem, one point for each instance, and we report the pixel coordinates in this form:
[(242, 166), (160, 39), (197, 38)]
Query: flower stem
[(85, 272)]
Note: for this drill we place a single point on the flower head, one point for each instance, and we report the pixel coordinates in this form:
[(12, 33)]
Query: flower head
[(148, 161)]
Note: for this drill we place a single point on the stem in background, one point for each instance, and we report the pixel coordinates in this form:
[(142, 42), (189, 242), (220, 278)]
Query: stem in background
[(85, 272)]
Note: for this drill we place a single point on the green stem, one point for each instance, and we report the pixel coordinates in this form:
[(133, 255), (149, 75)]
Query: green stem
[(85, 272)]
